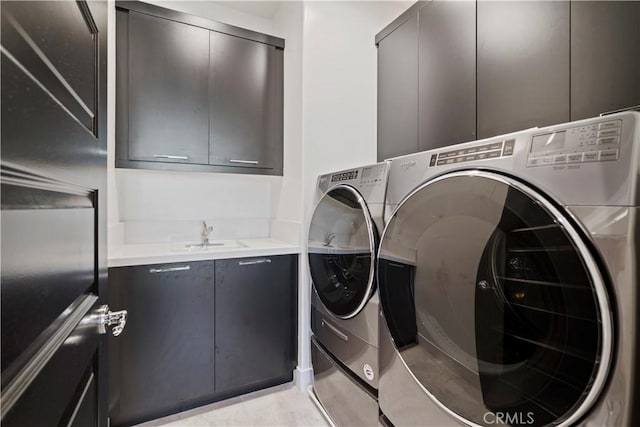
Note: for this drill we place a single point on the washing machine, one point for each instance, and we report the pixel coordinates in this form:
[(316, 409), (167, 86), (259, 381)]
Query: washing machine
[(508, 280), (343, 242)]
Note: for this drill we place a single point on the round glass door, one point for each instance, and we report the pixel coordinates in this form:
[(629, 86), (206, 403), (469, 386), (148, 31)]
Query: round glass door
[(342, 241), (494, 302)]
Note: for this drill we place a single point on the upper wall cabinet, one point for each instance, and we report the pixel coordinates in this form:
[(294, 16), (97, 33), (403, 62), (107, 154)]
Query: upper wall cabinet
[(605, 57), (398, 91), (196, 95), (447, 77), (490, 67), (523, 65), (427, 79), (246, 103), (168, 91)]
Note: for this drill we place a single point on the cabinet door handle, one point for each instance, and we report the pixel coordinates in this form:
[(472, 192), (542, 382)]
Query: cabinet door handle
[(255, 261), (170, 269), (167, 156), (247, 162), (335, 330)]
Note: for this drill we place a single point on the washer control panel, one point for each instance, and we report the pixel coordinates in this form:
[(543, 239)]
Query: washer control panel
[(366, 176), (597, 142), (345, 176), (370, 180)]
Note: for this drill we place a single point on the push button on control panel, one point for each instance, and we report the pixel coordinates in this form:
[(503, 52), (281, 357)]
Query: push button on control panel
[(548, 160), (574, 158), (609, 140), (560, 159), (610, 125), (591, 156), (609, 155), (508, 147), (608, 132)]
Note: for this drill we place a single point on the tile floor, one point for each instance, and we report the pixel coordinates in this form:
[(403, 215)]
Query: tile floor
[(284, 405)]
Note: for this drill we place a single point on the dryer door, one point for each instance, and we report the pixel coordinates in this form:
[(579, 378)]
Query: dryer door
[(494, 302), (342, 242)]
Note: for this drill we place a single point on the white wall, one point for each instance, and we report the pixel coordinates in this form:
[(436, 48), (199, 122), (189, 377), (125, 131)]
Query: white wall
[(340, 85), (288, 204), (289, 214)]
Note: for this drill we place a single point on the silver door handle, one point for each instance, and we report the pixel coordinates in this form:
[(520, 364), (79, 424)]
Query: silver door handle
[(167, 156), (103, 317), (334, 330), (254, 262), (248, 162), (169, 269)]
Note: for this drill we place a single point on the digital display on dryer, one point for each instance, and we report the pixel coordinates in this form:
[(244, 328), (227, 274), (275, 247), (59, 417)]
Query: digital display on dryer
[(548, 142)]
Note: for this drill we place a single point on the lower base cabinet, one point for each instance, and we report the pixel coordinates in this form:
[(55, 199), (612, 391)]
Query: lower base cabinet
[(254, 323), (200, 332)]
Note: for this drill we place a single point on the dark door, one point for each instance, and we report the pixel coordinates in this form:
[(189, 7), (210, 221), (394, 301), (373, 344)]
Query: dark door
[(447, 74), (342, 244), (495, 301), (246, 103), (522, 65), (398, 91), (54, 144)]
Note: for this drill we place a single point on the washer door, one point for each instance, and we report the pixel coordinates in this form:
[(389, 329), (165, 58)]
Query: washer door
[(494, 302), (342, 242)]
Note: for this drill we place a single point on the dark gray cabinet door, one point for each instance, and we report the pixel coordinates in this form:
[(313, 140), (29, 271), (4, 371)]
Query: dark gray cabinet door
[(246, 103), (447, 74), (255, 318), (398, 91), (163, 361), (605, 56), (168, 90), (522, 65)]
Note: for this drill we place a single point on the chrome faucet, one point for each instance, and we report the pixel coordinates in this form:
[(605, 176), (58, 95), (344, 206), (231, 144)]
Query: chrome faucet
[(328, 238), (204, 235)]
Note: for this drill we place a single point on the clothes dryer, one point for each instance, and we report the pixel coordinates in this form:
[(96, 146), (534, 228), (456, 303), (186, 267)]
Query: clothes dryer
[(508, 279), (343, 243)]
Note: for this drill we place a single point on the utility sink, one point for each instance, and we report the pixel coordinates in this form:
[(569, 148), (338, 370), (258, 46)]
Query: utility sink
[(213, 245), (204, 245)]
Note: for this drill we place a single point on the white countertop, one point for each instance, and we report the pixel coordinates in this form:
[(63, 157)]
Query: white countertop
[(161, 253)]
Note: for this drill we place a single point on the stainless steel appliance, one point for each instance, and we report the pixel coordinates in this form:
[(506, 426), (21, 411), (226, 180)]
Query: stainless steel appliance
[(508, 276), (343, 241)]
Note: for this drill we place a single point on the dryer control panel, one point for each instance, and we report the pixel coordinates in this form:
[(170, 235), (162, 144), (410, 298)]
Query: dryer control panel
[(581, 144), (473, 152)]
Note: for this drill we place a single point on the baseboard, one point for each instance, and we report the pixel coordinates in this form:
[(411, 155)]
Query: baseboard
[(303, 378)]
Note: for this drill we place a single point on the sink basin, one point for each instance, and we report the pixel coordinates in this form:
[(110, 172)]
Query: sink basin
[(203, 245), (213, 245)]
